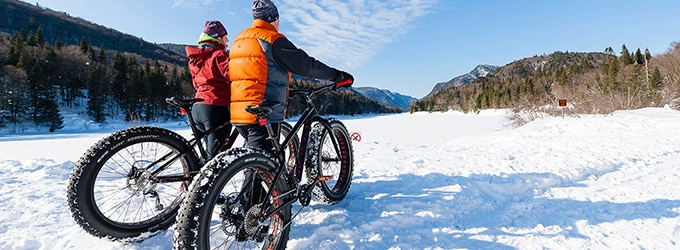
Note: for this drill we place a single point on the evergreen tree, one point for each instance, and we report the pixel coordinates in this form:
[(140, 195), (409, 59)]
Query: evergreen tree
[(51, 62), (625, 56), (97, 96), (49, 111), (15, 101), (38, 39), (612, 74), (187, 82), (42, 98), (135, 96), (30, 40), (120, 81), (16, 48), (655, 80), (84, 46), (639, 58), (57, 44), (101, 57), (4, 97), (647, 55), (609, 51)]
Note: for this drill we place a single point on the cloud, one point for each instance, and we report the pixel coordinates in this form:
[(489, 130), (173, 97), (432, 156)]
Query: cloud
[(189, 4), (348, 31)]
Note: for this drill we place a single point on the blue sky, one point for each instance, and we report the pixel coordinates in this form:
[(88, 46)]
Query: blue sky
[(407, 46)]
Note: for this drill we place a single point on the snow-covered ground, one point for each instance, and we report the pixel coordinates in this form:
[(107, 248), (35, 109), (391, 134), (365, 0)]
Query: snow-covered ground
[(423, 181)]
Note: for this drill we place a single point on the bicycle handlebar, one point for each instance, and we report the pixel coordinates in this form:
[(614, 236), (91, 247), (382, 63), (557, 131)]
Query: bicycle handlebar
[(314, 90), (345, 83)]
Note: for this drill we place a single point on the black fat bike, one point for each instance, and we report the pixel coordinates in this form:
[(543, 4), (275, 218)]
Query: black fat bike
[(243, 198), (129, 185)]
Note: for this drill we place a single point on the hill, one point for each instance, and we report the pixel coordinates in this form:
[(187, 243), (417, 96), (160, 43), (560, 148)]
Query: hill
[(51, 61), (477, 72), (591, 82), (18, 16), (386, 97)]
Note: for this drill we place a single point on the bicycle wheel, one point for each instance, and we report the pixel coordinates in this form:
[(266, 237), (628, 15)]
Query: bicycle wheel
[(112, 191), (290, 150), (223, 207), (325, 158)]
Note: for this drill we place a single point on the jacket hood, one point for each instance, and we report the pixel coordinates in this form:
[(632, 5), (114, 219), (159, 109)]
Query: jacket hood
[(197, 54), (204, 37)]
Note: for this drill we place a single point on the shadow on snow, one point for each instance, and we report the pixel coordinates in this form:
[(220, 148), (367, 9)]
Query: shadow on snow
[(462, 212)]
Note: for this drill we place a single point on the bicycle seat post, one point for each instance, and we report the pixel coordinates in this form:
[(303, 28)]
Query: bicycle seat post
[(262, 111), (264, 121), (192, 124), (185, 105)]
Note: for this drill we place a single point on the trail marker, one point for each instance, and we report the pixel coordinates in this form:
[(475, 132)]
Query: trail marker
[(563, 103)]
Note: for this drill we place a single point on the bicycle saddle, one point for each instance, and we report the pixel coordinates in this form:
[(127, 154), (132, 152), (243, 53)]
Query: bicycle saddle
[(263, 109), (184, 103)]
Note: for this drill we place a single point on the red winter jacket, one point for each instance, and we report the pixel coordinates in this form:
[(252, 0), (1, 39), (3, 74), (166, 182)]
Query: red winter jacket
[(208, 63)]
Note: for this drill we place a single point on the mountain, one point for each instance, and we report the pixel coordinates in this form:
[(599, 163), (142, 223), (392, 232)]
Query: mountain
[(386, 97), (17, 16), (596, 82), (477, 72)]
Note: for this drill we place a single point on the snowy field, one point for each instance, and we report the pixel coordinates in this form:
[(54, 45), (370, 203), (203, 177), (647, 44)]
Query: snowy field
[(422, 181)]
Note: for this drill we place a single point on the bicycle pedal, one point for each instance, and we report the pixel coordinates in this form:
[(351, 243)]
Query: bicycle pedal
[(324, 178)]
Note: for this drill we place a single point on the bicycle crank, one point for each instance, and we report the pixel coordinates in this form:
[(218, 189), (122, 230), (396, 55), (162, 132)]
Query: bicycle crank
[(305, 194)]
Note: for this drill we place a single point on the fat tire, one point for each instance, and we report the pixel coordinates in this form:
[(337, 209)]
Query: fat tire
[(320, 146), (194, 219), (102, 158), (291, 150)]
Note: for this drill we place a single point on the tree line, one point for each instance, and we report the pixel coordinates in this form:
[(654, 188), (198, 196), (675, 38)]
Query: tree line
[(590, 82), (36, 79)]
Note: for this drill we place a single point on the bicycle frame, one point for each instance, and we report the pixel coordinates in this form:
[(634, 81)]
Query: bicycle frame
[(308, 117), (245, 198), (194, 142), (185, 105)]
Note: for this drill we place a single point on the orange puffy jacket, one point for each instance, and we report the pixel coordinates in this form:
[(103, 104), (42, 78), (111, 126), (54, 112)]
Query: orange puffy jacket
[(255, 76)]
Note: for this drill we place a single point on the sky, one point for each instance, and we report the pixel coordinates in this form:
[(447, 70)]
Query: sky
[(407, 46), (448, 181)]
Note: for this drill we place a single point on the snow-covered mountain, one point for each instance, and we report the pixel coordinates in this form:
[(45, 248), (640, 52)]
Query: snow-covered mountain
[(477, 72), (386, 97), (389, 98)]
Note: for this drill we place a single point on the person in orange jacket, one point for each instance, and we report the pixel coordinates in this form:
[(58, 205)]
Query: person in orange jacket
[(209, 66), (261, 63)]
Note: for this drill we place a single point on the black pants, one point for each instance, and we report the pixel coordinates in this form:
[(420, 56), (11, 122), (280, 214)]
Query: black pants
[(256, 135), (208, 117)]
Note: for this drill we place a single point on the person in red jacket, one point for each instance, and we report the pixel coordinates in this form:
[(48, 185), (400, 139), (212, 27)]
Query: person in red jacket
[(209, 66)]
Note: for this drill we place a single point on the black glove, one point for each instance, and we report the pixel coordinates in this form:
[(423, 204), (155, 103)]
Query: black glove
[(343, 76)]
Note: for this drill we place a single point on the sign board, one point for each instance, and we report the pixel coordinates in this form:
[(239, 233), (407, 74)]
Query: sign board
[(563, 102)]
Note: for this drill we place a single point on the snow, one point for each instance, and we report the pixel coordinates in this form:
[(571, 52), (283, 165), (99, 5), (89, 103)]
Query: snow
[(421, 181)]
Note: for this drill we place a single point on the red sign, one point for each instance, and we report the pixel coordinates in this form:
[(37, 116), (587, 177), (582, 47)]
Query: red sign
[(563, 102), (356, 136)]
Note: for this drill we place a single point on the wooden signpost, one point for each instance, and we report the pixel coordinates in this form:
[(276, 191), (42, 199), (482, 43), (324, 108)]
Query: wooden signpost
[(563, 103)]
